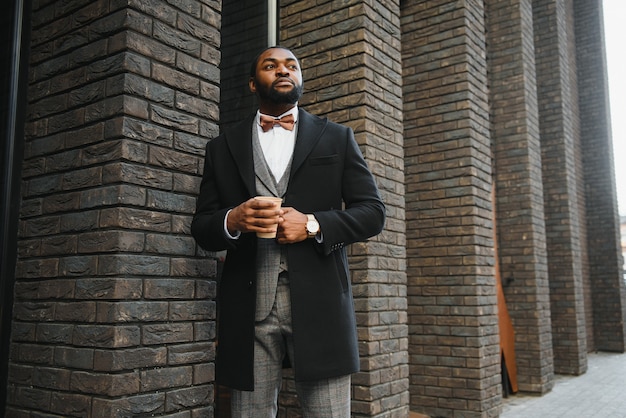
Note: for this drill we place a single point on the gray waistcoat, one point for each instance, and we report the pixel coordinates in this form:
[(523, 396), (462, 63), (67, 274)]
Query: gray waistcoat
[(271, 259)]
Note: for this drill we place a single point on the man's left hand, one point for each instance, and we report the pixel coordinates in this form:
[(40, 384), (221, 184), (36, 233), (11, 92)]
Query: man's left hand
[(291, 226)]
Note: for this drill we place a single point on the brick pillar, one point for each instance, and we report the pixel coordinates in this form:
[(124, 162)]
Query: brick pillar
[(561, 164), (454, 345), (350, 53), (519, 190), (605, 257), (114, 314)]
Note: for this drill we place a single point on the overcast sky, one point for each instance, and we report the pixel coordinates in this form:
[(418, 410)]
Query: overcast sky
[(614, 12)]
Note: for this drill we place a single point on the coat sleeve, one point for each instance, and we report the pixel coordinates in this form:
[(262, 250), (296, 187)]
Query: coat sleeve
[(363, 214), (207, 226)]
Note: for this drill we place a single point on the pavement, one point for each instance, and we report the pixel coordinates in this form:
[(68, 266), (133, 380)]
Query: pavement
[(599, 393)]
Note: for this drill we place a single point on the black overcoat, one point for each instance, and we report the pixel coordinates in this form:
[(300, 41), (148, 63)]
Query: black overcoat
[(330, 179)]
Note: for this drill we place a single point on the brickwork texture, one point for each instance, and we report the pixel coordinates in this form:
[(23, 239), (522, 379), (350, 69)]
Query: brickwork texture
[(607, 288), (114, 313), (454, 352), (350, 53), (519, 189)]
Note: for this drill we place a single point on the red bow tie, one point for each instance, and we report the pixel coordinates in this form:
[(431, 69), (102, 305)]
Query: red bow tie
[(268, 122)]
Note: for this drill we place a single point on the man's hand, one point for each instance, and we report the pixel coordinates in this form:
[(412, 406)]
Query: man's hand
[(291, 226), (254, 215)]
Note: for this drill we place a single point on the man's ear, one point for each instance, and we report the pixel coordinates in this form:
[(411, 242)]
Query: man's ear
[(252, 85)]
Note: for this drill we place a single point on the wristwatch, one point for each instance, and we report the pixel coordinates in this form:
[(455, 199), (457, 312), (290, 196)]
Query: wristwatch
[(312, 226)]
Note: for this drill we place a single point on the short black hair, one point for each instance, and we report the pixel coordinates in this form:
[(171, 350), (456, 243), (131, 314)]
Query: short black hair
[(256, 59)]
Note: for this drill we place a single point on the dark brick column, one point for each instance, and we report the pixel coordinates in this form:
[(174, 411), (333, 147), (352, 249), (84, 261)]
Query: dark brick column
[(519, 189), (561, 164), (454, 345), (605, 257), (350, 53), (114, 311)]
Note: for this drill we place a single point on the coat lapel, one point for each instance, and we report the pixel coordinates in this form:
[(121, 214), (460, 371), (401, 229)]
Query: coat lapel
[(310, 129), (239, 140)]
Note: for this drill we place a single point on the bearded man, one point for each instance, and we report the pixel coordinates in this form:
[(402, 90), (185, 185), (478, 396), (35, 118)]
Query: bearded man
[(286, 299)]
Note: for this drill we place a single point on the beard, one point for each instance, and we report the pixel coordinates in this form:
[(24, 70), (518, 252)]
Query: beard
[(272, 95)]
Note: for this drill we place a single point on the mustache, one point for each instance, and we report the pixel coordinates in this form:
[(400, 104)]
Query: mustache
[(283, 79)]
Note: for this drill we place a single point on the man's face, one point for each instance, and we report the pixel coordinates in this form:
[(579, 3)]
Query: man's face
[(278, 78)]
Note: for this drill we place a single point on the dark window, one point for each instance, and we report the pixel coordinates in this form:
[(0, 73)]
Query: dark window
[(245, 26), (14, 42), (245, 32)]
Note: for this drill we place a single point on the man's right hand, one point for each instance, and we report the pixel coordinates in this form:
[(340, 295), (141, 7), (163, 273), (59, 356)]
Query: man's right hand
[(254, 215)]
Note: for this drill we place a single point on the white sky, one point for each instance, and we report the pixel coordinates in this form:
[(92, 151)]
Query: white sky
[(614, 12)]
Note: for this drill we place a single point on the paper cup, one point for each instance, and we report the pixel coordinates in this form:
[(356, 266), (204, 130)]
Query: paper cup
[(277, 202)]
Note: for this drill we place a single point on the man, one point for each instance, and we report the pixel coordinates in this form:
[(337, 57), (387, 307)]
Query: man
[(286, 299)]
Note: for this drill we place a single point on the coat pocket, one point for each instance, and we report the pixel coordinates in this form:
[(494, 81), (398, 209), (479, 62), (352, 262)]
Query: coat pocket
[(324, 160), (341, 263)]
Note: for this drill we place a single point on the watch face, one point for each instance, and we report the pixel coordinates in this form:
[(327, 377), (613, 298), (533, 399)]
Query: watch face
[(312, 227)]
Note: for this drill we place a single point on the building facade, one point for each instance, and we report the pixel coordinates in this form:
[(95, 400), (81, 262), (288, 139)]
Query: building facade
[(486, 124)]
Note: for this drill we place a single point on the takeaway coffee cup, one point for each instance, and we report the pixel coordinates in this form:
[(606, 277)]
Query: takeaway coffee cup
[(277, 202)]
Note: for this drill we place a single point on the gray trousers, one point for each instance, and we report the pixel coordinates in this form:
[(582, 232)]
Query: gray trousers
[(327, 398)]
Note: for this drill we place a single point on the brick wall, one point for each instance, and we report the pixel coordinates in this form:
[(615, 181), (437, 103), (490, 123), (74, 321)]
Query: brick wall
[(519, 189), (605, 258), (237, 48), (560, 165), (350, 54), (114, 311), (454, 351)]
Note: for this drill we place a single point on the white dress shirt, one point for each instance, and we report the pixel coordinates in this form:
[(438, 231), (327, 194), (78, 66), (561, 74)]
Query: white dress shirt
[(278, 144)]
